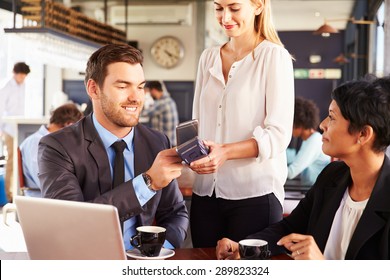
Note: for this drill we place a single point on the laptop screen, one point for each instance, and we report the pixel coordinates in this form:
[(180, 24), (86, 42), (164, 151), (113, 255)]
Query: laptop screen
[(61, 229)]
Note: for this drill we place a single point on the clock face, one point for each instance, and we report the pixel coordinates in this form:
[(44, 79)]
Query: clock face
[(167, 51)]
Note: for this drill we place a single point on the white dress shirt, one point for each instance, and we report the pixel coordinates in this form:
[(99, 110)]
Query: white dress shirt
[(257, 101), (29, 151), (12, 98)]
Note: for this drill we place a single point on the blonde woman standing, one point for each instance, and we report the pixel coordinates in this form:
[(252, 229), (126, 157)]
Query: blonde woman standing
[(244, 101)]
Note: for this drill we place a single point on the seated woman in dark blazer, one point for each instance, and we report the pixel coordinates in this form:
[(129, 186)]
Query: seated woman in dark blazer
[(346, 214)]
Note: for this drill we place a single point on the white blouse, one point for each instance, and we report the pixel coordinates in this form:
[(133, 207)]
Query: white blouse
[(256, 102), (343, 227)]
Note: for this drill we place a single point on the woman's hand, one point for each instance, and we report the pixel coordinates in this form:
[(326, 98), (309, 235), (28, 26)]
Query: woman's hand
[(210, 163), (227, 250), (302, 247)]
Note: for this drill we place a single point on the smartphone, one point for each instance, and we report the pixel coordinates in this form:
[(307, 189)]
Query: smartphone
[(189, 146), (186, 131), (192, 150)]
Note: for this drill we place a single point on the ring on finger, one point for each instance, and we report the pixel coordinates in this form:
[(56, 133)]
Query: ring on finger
[(297, 252), (209, 157)]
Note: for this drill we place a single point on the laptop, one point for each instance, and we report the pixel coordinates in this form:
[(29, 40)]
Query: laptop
[(69, 230)]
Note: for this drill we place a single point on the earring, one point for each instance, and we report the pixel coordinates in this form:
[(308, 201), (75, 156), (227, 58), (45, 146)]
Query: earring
[(358, 141)]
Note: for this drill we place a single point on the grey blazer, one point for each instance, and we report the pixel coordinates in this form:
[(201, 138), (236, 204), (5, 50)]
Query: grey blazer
[(314, 215), (73, 165)]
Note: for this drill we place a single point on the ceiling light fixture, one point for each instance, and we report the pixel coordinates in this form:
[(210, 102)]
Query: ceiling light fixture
[(325, 30), (341, 59)]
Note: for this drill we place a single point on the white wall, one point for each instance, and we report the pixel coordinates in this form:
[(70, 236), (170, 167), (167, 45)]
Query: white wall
[(147, 34), (185, 71), (72, 74), (54, 96)]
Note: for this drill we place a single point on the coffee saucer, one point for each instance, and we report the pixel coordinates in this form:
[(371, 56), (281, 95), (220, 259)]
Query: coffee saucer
[(164, 254)]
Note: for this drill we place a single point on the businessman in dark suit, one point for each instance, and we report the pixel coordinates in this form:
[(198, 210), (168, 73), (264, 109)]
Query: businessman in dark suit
[(346, 214), (77, 163)]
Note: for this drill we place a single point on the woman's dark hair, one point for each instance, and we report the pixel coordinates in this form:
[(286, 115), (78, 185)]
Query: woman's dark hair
[(106, 55), (306, 114), (366, 102)]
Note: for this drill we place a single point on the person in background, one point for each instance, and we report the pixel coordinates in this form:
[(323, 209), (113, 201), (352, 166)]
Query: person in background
[(244, 102), (149, 101), (310, 159), (162, 113), (12, 98), (345, 215), (77, 162), (61, 117)]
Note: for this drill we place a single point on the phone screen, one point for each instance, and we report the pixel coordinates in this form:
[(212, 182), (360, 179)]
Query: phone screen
[(186, 131)]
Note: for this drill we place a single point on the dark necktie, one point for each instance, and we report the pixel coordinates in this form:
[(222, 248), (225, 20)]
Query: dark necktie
[(119, 163)]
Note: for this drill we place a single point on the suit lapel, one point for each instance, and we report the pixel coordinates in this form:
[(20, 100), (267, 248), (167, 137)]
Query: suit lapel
[(98, 153), (375, 213), (143, 155), (139, 147)]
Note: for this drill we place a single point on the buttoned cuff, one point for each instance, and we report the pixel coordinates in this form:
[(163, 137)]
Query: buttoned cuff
[(143, 193)]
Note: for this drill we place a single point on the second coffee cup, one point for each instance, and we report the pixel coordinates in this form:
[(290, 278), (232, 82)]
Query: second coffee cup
[(149, 240), (253, 249)]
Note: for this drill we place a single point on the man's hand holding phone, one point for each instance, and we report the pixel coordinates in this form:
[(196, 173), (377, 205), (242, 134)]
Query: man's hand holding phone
[(165, 168)]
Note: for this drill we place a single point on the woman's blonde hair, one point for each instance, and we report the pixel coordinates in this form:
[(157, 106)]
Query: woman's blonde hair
[(264, 25)]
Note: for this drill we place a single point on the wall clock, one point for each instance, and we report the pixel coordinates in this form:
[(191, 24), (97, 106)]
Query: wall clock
[(167, 51)]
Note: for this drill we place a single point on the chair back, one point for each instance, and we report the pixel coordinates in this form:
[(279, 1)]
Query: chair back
[(22, 184)]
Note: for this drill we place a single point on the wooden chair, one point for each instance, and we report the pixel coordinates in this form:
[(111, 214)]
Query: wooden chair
[(22, 185)]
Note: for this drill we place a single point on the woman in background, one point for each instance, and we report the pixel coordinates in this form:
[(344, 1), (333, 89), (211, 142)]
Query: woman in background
[(310, 159), (244, 101)]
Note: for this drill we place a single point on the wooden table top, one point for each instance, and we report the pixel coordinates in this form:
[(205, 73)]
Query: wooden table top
[(207, 254), (180, 254), (194, 254)]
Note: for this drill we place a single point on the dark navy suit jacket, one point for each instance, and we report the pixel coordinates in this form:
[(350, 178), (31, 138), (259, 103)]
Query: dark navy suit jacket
[(73, 165)]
